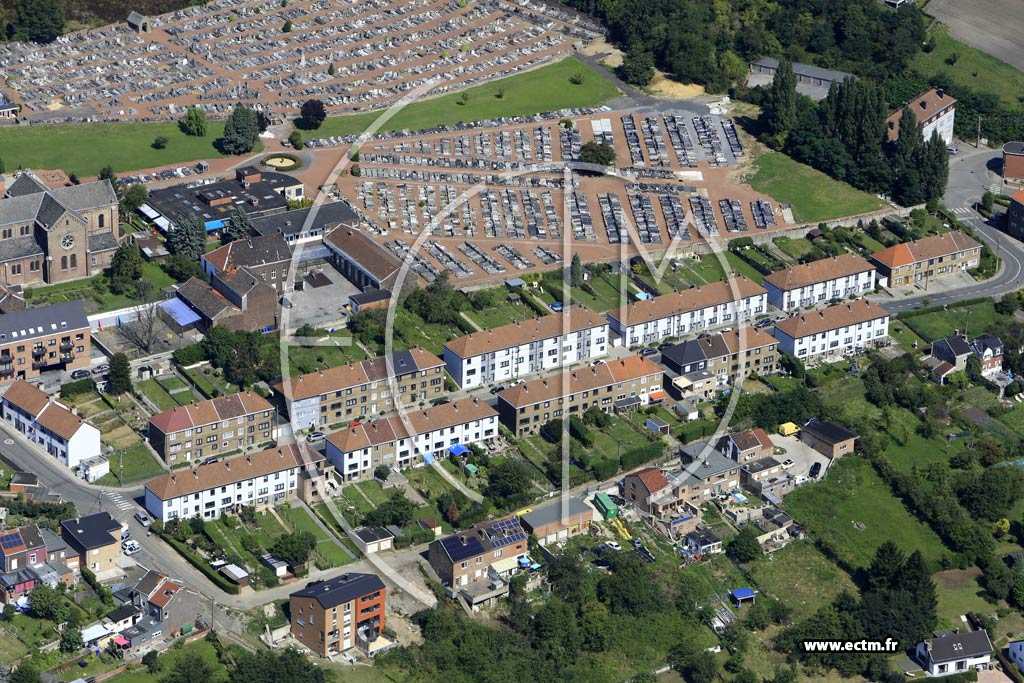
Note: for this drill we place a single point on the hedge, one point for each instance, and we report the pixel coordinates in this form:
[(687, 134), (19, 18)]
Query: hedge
[(201, 565), (189, 355), (641, 454), (78, 388)]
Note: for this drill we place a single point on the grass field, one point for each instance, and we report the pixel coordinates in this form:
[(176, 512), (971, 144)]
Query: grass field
[(301, 520), (544, 89), (85, 149), (976, 319), (155, 393), (304, 359), (973, 67), (741, 267), (853, 492), (94, 301), (814, 196), (203, 648), (801, 577), (847, 396), (139, 464), (795, 248), (959, 593)]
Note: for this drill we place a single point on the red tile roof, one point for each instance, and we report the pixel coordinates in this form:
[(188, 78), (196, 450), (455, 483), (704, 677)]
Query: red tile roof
[(924, 106), (693, 299), (209, 412), (652, 478), (924, 249)]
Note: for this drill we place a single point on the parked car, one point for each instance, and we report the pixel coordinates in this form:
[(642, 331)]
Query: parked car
[(557, 307), (498, 389), (648, 352), (210, 461), (126, 534), (143, 519), (815, 470), (79, 374), (100, 369), (953, 150), (313, 437), (131, 547), (612, 545), (787, 463)]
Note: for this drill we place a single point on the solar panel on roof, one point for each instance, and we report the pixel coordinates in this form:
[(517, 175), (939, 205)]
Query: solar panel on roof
[(10, 540)]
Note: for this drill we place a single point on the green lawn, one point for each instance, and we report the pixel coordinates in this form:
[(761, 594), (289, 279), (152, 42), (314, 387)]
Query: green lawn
[(305, 359), (139, 464), (847, 396), (1015, 418), (544, 89), (502, 314), (814, 196), (959, 593), (853, 492), (203, 648), (741, 267), (976, 319), (796, 248), (85, 149), (973, 67), (428, 482), (301, 520), (155, 393), (906, 337), (95, 301), (801, 577)]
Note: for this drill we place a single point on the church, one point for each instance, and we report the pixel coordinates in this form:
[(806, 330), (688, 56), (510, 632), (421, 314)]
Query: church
[(56, 235)]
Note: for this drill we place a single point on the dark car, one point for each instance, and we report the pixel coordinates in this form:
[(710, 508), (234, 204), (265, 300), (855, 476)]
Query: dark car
[(100, 369), (498, 388), (79, 374), (648, 352), (815, 470), (210, 461), (440, 401)]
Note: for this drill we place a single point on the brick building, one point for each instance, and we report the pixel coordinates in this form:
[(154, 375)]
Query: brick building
[(1015, 215), (1013, 163), (488, 551), (728, 356), (336, 614), (213, 427), (917, 261), (265, 256), (34, 340), (935, 111)]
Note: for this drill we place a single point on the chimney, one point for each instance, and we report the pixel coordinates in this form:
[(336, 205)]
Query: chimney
[(821, 314), (463, 540), (174, 479), (248, 459), (455, 407), (195, 473), (280, 453), (227, 465)]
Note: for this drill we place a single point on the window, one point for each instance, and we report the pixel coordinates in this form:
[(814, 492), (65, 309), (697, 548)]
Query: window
[(74, 261), (63, 262)]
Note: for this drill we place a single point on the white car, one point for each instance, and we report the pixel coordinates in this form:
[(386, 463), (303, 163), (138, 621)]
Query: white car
[(612, 545), (787, 464), (131, 547)]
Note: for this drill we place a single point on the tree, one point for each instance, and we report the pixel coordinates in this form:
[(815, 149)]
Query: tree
[(273, 667), (628, 589), (125, 268), (71, 640), (287, 28), (151, 660), (187, 237), (598, 154), (793, 365), (159, 142), (143, 331), (987, 202), (294, 548), (637, 67), (120, 374), (990, 495), (25, 673), (238, 226), (703, 668), (189, 667), (107, 173), (1009, 304), (575, 271), (295, 139), (330, 69), (509, 484), (397, 510), (778, 107), (241, 132), (313, 113), (194, 122), (182, 268), (38, 21), (744, 546), (47, 603), (382, 472), (133, 197)]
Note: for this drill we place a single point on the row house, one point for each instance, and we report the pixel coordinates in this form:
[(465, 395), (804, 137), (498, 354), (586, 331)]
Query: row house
[(410, 439), (213, 427), (540, 345), (833, 331), (809, 284), (707, 475), (917, 261), (30, 556), (728, 356), (616, 385), (489, 551), (50, 424), (690, 311), (364, 389), (259, 479)]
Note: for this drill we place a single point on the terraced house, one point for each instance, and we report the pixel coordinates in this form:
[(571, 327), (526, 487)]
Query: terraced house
[(212, 427), (813, 283), (917, 261), (410, 439), (50, 424), (362, 389), (610, 386), (518, 349), (692, 310), (833, 331), (728, 357), (263, 478)]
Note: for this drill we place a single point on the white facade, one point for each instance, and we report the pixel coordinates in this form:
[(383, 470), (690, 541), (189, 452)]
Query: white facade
[(94, 468), (942, 124), (536, 355), (820, 292), (211, 503), (410, 451), (83, 444), (836, 341), (949, 667), (686, 322)]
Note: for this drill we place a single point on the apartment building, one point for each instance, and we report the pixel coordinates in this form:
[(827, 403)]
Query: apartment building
[(50, 424), (265, 256), (813, 283), (916, 261), (212, 427), (1015, 212), (333, 615), (413, 438), (34, 340), (690, 311), (260, 479), (518, 349), (489, 551), (728, 356), (363, 389), (833, 331), (611, 386), (935, 112)]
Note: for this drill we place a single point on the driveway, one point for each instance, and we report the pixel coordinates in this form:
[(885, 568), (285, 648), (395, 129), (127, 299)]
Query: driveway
[(802, 455)]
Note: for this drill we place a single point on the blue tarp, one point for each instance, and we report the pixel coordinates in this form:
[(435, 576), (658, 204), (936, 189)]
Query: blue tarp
[(214, 225), (742, 594), (428, 458), (179, 312), (458, 449)]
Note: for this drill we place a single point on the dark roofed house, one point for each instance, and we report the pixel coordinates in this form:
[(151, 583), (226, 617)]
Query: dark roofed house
[(264, 256), (703, 542), (950, 652), (339, 613), (95, 539), (828, 438), (304, 225), (811, 80), (488, 551)]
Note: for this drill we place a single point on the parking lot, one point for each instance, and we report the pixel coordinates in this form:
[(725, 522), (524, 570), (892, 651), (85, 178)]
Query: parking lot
[(352, 56), (802, 455)]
